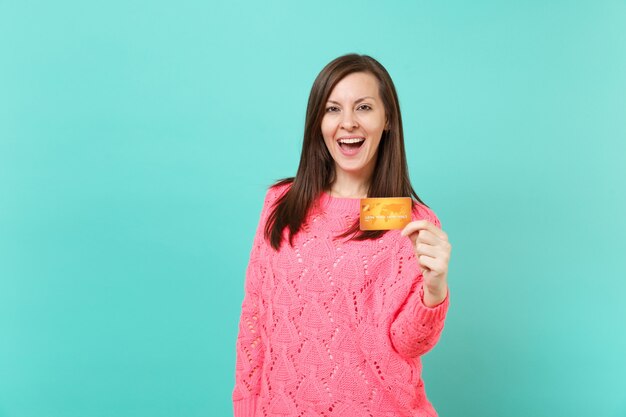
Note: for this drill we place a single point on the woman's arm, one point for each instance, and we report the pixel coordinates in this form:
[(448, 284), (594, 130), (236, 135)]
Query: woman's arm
[(249, 341), (420, 320), (417, 328), (249, 345)]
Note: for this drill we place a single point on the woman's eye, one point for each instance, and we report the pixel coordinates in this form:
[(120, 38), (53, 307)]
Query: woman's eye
[(331, 109), (364, 107)]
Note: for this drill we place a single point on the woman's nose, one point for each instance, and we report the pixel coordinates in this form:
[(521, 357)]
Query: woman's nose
[(348, 121)]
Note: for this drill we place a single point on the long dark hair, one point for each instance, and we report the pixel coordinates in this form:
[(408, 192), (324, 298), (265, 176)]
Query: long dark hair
[(316, 171)]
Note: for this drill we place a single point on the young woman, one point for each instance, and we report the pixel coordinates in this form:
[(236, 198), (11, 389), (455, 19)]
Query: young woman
[(334, 320)]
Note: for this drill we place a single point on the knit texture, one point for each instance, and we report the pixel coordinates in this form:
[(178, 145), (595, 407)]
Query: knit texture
[(331, 327)]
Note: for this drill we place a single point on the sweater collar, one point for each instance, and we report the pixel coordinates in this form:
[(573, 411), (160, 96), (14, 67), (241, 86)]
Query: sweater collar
[(337, 203)]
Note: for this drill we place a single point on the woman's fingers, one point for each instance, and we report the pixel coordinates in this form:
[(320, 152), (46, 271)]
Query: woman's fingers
[(420, 225), (434, 265), (431, 247), (428, 250), (440, 254), (425, 236)]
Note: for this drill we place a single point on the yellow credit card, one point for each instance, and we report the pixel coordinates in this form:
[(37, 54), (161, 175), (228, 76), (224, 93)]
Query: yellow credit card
[(385, 213)]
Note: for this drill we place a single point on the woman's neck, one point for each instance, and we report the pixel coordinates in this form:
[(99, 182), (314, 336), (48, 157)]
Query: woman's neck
[(346, 186)]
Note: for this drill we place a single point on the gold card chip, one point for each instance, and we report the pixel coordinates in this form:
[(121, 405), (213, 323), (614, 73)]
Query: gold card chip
[(385, 213)]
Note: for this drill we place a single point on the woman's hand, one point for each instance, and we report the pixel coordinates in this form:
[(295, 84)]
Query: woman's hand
[(432, 251)]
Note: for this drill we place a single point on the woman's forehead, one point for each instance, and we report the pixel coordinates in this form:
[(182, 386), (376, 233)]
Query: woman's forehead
[(355, 86)]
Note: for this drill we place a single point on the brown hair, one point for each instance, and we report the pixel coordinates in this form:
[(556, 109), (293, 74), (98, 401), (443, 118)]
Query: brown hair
[(316, 171)]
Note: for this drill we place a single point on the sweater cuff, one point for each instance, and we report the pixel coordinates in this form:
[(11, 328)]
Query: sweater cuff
[(245, 407), (426, 314)]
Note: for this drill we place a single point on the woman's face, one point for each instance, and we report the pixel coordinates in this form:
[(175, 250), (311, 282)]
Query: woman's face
[(353, 124)]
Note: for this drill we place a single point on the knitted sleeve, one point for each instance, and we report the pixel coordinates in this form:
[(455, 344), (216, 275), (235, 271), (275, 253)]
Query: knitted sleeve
[(416, 328), (249, 341)]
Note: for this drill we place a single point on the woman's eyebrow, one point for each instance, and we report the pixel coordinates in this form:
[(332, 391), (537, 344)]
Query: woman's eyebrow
[(357, 101)]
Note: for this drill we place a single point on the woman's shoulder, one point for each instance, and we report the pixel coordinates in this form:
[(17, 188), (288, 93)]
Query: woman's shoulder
[(278, 189), (275, 191), (281, 186), (423, 212)]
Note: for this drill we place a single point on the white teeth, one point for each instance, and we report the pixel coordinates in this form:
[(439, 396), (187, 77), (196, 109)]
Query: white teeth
[(351, 140)]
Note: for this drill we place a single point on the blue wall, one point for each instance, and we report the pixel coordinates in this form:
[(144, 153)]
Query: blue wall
[(137, 139)]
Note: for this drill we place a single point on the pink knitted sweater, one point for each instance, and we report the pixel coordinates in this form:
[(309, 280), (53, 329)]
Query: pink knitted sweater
[(334, 328)]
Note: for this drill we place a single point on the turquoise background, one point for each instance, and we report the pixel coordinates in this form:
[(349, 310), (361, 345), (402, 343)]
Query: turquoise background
[(137, 139)]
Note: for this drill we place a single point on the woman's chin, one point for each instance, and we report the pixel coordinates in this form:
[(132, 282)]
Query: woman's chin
[(352, 167)]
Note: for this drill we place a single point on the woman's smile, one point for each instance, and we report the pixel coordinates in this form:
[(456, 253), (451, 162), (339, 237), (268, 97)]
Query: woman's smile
[(350, 145)]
